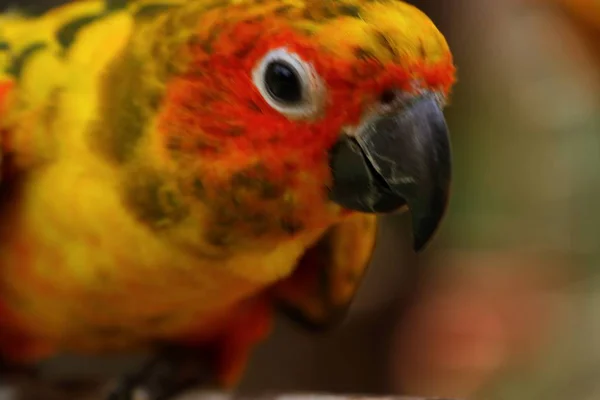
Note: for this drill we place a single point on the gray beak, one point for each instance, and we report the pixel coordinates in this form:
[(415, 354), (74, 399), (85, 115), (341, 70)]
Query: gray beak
[(397, 158)]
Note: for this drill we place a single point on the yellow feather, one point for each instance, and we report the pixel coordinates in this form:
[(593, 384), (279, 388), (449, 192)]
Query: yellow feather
[(94, 265)]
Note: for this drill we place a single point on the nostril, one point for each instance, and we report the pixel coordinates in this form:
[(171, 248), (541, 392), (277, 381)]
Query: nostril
[(387, 97)]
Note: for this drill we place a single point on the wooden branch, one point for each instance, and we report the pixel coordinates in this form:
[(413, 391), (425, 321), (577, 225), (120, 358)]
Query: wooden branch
[(23, 387), (295, 396), (89, 391)]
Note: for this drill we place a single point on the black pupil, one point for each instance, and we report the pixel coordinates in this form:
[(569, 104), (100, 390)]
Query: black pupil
[(283, 83)]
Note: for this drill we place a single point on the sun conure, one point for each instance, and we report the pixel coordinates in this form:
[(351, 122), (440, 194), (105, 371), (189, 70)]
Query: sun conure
[(173, 171)]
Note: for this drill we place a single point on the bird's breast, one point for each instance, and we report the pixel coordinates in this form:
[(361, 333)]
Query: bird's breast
[(77, 270)]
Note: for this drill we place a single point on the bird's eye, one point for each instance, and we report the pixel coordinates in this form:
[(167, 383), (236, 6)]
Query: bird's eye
[(283, 82), (289, 84)]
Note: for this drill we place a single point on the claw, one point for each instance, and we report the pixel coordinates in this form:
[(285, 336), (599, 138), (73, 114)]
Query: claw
[(171, 372)]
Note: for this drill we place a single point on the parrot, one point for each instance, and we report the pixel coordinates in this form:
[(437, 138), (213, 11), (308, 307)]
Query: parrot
[(176, 172)]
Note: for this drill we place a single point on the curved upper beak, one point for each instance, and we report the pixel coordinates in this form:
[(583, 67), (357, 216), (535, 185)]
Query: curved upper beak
[(400, 157)]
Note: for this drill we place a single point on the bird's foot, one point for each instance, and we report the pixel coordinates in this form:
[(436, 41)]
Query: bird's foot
[(171, 372), (207, 364)]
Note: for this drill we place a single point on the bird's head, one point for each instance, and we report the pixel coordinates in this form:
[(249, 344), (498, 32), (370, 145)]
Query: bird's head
[(280, 116)]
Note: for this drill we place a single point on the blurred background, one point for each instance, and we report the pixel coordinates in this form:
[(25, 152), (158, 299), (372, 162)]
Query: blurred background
[(505, 304)]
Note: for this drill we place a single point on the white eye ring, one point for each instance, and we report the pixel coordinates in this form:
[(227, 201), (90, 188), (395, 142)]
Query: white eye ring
[(308, 102)]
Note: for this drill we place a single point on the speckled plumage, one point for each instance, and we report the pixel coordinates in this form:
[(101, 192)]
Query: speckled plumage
[(149, 190)]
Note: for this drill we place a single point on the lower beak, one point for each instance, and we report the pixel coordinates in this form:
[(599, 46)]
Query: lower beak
[(398, 158)]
